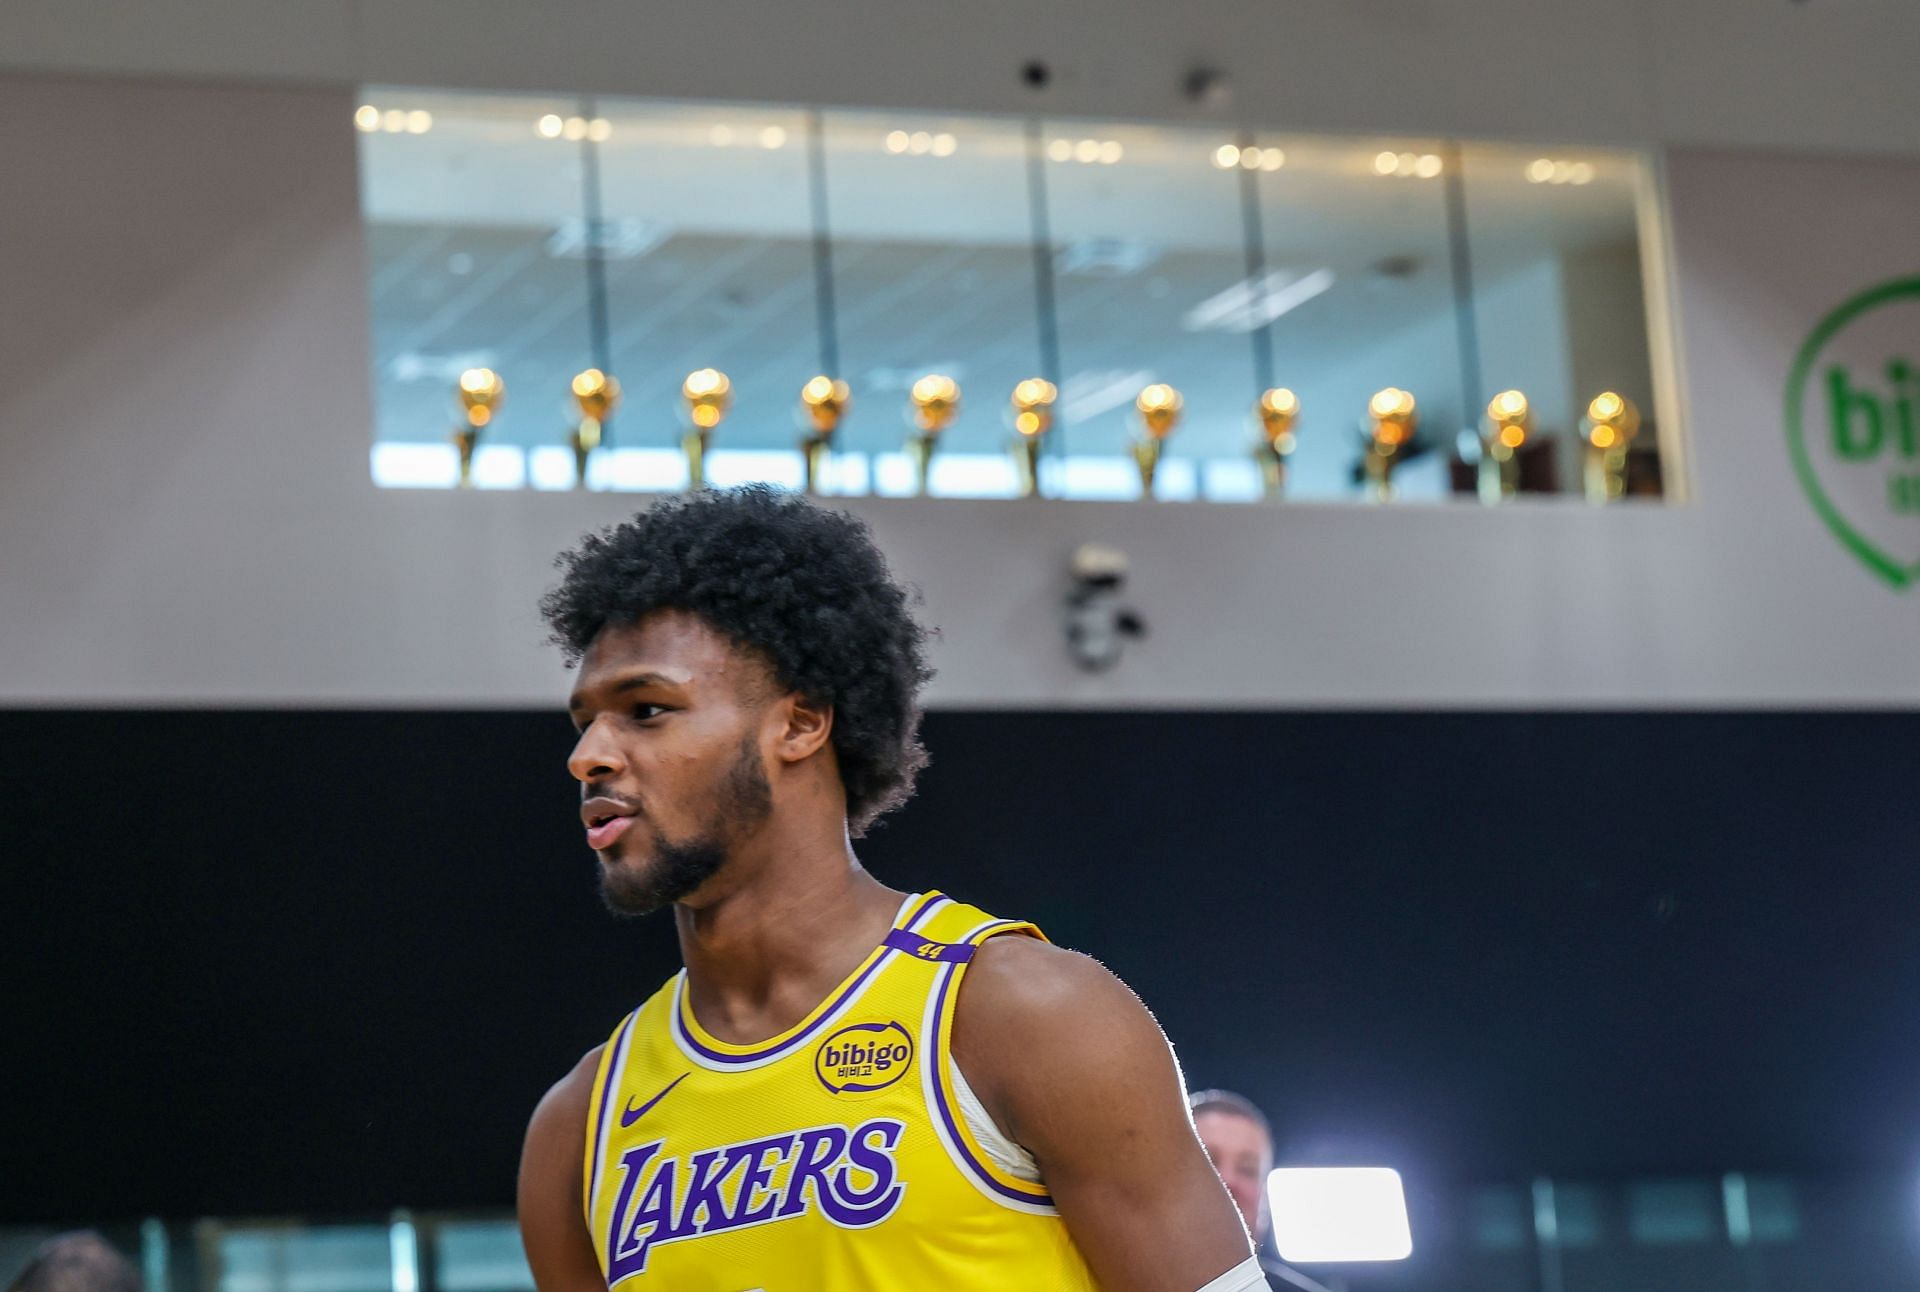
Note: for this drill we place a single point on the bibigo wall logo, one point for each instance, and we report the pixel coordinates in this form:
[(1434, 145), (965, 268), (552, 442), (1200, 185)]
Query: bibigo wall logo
[(1853, 426)]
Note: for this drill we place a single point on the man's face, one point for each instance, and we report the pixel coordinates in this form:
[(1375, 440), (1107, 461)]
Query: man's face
[(669, 761), (1243, 1156)]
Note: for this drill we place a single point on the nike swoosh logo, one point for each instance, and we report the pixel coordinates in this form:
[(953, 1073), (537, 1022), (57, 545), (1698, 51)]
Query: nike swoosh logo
[(629, 1115)]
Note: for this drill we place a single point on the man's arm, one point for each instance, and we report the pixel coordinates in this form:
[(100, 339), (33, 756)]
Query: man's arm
[(1072, 1066), (553, 1225)]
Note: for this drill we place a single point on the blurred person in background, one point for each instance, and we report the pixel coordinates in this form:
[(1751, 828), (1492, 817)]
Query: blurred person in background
[(77, 1262), (1239, 1139)]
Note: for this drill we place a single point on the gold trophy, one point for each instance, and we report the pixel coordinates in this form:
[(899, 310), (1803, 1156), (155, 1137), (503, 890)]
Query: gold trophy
[(1278, 409), (481, 391), (823, 402), (935, 403), (1159, 408), (1509, 421), (708, 394), (597, 395), (1394, 418), (1608, 428), (1032, 419)]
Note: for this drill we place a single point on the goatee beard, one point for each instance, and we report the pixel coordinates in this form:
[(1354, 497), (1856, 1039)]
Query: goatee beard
[(680, 866)]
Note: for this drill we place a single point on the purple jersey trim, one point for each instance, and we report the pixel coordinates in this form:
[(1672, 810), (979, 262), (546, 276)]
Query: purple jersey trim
[(616, 1059), (692, 1042), (941, 1101), (923, 948)]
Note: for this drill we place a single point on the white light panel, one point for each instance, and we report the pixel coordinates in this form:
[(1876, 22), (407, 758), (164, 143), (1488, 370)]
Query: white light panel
[(1325, 1215)]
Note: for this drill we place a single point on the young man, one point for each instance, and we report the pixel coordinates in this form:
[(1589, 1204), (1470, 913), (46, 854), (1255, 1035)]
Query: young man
[(847, 1087)]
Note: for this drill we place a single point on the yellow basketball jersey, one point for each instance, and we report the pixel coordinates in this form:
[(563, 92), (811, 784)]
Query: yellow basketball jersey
[(836, 1156)]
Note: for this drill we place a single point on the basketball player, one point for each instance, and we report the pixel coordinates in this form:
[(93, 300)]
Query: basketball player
[(847, 1087)]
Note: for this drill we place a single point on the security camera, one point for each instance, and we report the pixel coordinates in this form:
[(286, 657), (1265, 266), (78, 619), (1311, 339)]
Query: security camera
[(1098, 624), (1208, 87)]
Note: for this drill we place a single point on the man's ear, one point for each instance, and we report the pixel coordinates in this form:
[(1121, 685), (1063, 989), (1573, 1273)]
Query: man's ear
[(806, 727)]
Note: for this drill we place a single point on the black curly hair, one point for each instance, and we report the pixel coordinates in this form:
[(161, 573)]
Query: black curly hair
[(802, 586)]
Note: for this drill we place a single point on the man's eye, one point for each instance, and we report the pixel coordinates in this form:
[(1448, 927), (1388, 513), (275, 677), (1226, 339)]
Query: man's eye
[(645, 711)]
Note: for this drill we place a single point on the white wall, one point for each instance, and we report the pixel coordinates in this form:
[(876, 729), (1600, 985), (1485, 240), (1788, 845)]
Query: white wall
[(186, 515), (1761, 73)]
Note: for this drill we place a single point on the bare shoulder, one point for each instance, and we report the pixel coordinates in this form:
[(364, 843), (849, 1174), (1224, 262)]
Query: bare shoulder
[(1034, 1021), (552, 1224), (1020, 982), (571, 1094)]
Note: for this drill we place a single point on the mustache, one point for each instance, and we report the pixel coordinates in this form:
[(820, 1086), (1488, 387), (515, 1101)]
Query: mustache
[(627, 801)]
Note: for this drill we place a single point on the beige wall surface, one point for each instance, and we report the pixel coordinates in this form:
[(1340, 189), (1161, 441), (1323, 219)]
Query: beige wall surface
[(186, 514), (1824, 75)]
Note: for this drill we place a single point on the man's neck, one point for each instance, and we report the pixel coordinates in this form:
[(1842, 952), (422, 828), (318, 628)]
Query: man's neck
[(762, 954)]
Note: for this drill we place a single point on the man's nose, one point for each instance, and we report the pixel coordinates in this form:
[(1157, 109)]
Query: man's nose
[(595, 757)]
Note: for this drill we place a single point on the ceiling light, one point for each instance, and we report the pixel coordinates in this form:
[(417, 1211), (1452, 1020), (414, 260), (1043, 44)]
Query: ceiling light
[(1111, 152), (1384, 163), (1250, 158), (419, 122), (549, 126), (393, 121), (1539, 170), (1087, 150), (773, 137), (574, 128), (1272, 159), (1580, 173), (944, 145), (1427, 166), (1060, 149), (896, 141), (1255, 302), (920, 143), (599, 130), (366, 118), (721, 136), (1226, 156)]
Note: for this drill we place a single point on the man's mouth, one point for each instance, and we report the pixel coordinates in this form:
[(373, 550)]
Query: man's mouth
[(606, 819), (603, 830)]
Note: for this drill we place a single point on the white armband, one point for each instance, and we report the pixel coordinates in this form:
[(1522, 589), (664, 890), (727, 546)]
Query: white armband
[(1244, 1277)]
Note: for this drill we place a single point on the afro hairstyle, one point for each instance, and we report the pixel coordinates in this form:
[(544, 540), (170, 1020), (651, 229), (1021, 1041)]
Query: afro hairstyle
[(803, 587)]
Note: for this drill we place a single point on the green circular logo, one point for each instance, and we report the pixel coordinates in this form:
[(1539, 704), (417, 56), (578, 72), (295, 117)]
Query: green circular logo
[(1853, 426)]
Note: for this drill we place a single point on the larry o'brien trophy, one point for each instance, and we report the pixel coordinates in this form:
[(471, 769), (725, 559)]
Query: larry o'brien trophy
[(1159, 407), (1608, 428), (481, 391), (823, 402), (1278, 409), (934, 403), (708, 394), (1032, 419), (1394, 418), (597, 395), (1509, 420)]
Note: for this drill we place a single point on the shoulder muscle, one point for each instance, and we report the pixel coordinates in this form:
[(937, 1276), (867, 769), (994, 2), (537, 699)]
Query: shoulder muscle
[(552, 1216)]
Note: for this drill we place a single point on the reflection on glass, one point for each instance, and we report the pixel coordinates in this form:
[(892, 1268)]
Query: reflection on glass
[(1558, 289), (546, 239), (473, 236), (1150, 271), (933, 275), (1366, 218), (714, 268)]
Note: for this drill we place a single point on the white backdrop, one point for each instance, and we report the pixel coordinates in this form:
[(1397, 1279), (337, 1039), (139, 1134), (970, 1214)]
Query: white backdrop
[(186, 514)]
